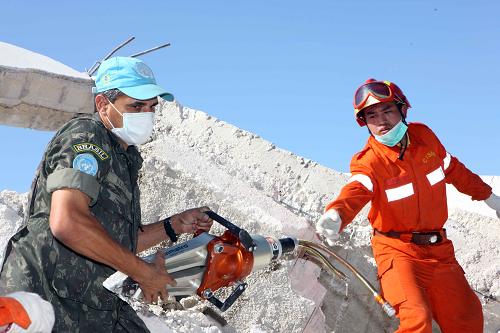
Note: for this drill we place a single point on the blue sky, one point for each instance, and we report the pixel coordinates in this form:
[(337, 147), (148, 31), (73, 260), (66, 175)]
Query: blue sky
[(285, 70)]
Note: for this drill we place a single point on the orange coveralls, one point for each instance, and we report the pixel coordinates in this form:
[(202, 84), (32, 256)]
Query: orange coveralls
[(422, 282)]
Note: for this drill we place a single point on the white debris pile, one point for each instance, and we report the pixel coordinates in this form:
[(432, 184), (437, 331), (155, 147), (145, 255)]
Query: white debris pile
[(12, 208)]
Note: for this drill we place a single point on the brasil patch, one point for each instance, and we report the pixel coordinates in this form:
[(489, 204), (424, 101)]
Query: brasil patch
[(86, 163), (90, 147)]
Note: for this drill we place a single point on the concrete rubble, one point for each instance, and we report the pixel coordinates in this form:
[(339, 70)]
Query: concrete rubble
[(38, 92)]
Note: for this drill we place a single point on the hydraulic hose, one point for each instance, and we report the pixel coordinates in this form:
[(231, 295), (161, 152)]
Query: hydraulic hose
[(321, 257), (314, 249)]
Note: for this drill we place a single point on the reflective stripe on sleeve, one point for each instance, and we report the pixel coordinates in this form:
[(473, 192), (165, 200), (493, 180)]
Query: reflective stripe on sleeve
[(401, 192), (363, 179), (435, 176), (447, 160)]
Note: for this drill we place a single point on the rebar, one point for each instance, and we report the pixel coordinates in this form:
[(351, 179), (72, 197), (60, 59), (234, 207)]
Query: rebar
[(98, 63)]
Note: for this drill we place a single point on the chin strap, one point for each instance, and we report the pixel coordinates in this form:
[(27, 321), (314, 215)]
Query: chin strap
[(404, 145)]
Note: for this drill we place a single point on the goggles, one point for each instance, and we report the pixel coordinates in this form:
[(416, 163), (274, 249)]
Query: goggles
[(379, 90)]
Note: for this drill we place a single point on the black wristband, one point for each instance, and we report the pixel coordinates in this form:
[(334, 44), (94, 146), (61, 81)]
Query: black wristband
[(169, 230)]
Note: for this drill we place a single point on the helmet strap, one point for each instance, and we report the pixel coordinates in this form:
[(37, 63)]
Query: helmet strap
[(361, 115), (404, 145), (369, 132), (400, 108)]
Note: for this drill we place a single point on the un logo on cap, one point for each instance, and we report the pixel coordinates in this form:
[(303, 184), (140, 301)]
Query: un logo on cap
[(144, 70), (106, 78)]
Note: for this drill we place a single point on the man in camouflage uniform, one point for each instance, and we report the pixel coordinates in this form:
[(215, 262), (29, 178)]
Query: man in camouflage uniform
[(84, 220)]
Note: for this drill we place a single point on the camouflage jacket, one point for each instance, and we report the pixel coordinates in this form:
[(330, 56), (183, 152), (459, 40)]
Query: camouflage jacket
[(83, 155)]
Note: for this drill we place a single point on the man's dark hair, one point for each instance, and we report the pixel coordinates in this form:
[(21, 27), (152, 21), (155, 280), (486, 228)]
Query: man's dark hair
[(400, 105), (111, 94)]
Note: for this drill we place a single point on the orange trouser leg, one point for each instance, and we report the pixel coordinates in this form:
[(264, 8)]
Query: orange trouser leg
[(456, 307), (403, 286), (422, 289)]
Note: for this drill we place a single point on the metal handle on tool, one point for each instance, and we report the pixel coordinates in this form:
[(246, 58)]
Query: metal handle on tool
[(223, 306), (244, 237)]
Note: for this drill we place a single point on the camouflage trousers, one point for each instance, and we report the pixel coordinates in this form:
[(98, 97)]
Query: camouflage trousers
[(76, 317)]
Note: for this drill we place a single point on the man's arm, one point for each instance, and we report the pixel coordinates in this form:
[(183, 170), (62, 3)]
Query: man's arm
[(352, 198), (456, 173), (186, 222), (465, 180), (72, 223), (340, 212)]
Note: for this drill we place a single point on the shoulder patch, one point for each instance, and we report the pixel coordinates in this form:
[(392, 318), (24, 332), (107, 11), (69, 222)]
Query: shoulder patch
[(90, 147), (86, 163)]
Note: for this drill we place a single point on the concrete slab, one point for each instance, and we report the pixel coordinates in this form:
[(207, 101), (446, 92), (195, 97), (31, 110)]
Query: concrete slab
[(38, 92)]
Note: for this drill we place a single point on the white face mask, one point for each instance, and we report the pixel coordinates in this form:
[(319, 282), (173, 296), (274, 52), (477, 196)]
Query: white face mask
[(137, 127)]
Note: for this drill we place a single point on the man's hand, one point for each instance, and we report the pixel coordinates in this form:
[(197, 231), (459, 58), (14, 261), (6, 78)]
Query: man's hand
[(329, 226), (494, 202), (153, 280), (191, 220)]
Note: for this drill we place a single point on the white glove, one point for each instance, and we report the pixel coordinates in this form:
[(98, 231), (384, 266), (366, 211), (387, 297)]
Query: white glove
[(494, 202), (329, 226), (39, 310)]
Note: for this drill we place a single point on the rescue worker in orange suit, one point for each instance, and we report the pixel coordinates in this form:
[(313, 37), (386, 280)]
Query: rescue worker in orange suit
[(403, 170)]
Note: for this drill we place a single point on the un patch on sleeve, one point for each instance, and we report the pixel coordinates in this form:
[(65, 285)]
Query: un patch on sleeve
[(86, 163)]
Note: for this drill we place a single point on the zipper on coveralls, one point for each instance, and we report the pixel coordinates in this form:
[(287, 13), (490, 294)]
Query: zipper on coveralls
[(415, 187)]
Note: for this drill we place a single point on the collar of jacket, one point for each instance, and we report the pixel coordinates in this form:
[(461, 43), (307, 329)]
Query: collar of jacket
[(393, 152)]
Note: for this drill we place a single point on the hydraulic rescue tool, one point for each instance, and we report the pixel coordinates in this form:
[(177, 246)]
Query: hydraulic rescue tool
[(207, 263)]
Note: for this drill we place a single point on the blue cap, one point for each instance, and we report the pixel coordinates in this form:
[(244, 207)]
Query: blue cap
[(131, 76)]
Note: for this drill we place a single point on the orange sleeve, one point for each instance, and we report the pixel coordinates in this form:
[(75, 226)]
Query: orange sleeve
[(354, 195), (466, 181), (352, 198), (11, 311), (456, 173), (5, 317)]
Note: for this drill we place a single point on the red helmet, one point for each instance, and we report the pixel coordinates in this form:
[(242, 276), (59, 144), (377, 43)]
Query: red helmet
[(373, 92)]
